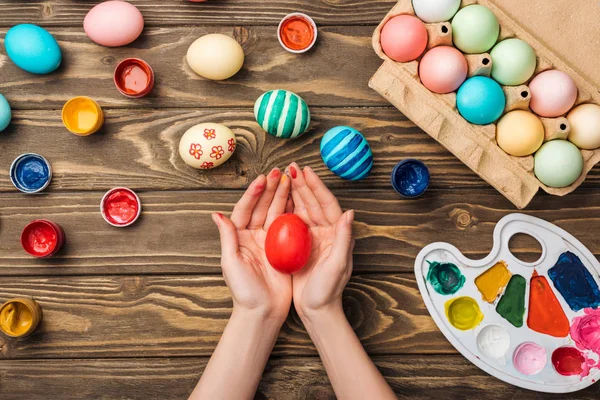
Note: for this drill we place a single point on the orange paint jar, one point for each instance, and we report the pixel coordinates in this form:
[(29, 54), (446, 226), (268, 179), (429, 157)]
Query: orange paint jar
[(297, 33), (82, 116), (20, 317)]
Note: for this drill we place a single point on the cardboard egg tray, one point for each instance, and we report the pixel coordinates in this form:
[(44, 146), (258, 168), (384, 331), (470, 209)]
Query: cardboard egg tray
[(475, 145)]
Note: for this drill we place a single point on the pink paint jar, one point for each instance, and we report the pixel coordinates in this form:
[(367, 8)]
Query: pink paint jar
[(120, 207)]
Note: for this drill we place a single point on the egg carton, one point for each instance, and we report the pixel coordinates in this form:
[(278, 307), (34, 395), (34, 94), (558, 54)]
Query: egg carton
[(475, 145)]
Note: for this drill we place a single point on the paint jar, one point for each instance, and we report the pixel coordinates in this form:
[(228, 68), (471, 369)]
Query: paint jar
[(120, 207), (82, 116), (42, 238), (20, 317), (410, 178), (134, 78), (297, 33), (30, 173)]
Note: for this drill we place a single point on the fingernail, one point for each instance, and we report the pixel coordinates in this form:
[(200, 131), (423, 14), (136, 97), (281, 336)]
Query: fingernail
[(283, 178), (275, 172), (307, 168), (350, 216), (293, 172), (217, 218)]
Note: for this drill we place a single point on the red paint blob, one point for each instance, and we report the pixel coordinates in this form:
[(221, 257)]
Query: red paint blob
[(568, 361), (134, 77), (42, 238), (545, 312), (297, 33), (120, 207), (288, 244)]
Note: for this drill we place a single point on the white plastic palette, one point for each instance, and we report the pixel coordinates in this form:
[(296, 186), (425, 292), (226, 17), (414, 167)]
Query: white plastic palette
[(554, 241)]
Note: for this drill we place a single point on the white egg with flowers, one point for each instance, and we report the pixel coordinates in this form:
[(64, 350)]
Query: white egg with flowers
[(207, 145)]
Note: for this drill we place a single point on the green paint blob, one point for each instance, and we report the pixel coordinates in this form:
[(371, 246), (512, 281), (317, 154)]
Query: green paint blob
[(445, 278), (512, 305)]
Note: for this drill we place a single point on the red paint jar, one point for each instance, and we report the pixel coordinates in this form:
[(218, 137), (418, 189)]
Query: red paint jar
[(134, 77), (42, 238), (120, 207), (297, 33)]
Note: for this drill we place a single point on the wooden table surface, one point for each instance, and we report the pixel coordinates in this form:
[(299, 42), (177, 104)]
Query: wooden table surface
[(135, 313)]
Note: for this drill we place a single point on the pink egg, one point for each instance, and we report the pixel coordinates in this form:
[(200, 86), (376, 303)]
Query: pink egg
[(404, 38), (443, 69), (113, 23), (553, 93)]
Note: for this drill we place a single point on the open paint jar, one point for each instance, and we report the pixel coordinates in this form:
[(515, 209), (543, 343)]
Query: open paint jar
[(120, 207), (134, 77), (410, 178), (30, 173), (297, 33), (82, 116), (19, 317), (42, 238)]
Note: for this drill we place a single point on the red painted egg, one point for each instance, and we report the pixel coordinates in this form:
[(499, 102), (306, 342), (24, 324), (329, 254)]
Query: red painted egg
[(288, 244)]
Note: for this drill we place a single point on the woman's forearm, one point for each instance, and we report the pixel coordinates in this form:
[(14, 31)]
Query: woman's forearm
[(237, 364), (351, 372)]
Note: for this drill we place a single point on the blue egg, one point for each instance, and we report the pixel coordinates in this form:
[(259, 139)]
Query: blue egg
[(347, 153), (30, 173), (410, 178), (32, 48), (480, 100), (5, 113)]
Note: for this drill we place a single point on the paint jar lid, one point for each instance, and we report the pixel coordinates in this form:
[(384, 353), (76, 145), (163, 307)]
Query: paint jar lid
[(297, 33), (134, 77), (30, 173), (410, 178), (42, 238), (120, 207), (82, 116)]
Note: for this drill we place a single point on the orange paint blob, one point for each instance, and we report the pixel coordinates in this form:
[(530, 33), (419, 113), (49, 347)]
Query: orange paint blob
[(545, 312), (297, 33)]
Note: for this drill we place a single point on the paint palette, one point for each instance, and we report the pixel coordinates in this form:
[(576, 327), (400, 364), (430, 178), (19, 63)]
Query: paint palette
[(534, 325)]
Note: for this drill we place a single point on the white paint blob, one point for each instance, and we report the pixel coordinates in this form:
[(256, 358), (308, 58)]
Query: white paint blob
[(493, 341)]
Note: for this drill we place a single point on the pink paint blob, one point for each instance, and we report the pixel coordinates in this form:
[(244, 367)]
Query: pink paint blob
[(404, 38), (529, 358), (585, 331), (443, 69), (553, 93)]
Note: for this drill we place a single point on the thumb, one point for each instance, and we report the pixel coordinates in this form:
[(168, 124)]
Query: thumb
[(342, 242), (228, 234)]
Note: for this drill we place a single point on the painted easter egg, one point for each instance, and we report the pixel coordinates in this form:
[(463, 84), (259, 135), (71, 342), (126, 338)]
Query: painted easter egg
[(475, 29), (480, 100), (519, 133), (347, 153), (558, 163), (5, 113), (32, 49), (206, 146), (443, 69), (282, 113), (553, 93), (513, 62), (113, 23), (585, 126), (435, 10), (215, 56), (404, 38), (288, 244)]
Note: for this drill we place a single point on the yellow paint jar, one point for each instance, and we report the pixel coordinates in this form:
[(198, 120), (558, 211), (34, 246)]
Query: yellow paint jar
[(20, 317), (82, 116)]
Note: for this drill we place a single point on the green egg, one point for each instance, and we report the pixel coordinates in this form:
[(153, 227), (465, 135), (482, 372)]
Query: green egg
[(558, 163), (475, 29), (513, 62)]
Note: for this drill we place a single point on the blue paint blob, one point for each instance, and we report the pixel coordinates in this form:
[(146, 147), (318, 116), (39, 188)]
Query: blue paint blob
[(30, 173), (5, 113), (347, 153), (410, 178), (480, 100), (574, 282), (32, 49)]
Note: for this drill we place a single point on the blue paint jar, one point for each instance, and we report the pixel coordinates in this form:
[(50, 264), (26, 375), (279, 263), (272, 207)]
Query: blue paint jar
[(30, 173), (410, 178), (480, 100)]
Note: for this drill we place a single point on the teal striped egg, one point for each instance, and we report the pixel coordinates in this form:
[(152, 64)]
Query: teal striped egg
[(347, 153), (282, 113)]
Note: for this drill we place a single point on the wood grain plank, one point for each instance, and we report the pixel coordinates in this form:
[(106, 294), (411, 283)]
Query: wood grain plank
[(334, 73), (214, 12), (175, 233), (163, 316), (411, 377)]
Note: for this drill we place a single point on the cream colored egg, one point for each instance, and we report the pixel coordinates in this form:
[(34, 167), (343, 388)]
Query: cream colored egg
[(207, 146), (519, 133), (585, 126), (215, 57)]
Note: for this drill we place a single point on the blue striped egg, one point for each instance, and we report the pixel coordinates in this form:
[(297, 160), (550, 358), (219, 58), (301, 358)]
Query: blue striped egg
[(282, 113), (347, 153)]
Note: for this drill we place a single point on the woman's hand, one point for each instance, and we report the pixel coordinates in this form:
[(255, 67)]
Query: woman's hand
[(319, 286), (256, 288)]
